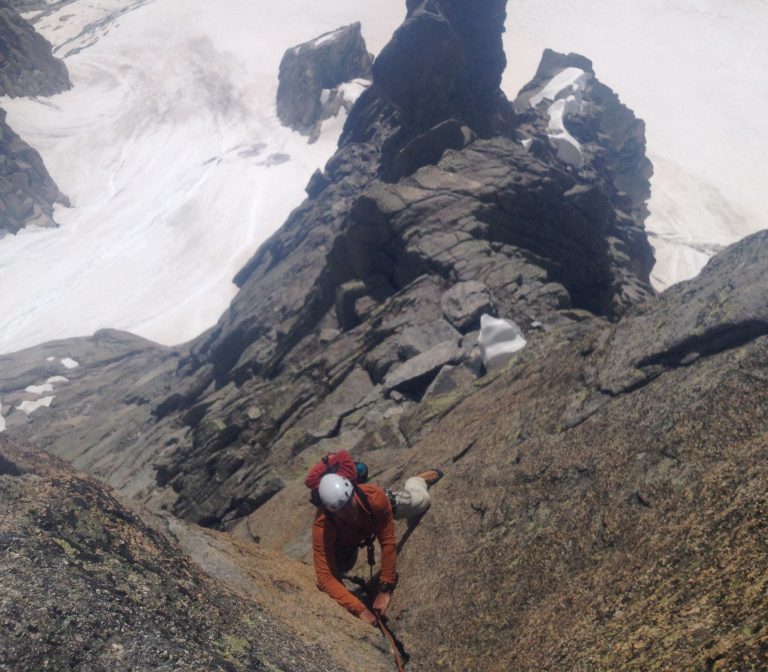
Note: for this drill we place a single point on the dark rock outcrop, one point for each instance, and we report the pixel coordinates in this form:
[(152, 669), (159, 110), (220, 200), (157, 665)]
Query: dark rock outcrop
[(438, 82), (27, 68), (612, 141), (27, 65), (311, 74), (27, 192)]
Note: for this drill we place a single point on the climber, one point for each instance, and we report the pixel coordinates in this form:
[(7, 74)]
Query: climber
[(350, 516)]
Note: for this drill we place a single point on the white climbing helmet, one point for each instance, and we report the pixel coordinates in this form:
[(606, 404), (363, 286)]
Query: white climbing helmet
[(335, 491)]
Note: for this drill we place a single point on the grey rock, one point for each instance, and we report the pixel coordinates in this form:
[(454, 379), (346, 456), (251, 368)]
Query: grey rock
[(28, 66), (325, 420), (613, 142), (465, 302), (329, 335), (414, 375), (420, 338), (443, 62), (316, 183), (27, 192), (347, 296), (429, 147), (449, 379), (723, 307)]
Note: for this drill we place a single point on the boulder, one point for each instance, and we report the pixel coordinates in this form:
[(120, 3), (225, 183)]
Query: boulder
[(421, 337), (311, 74), (464, 303), (415, 375), (449, 379)]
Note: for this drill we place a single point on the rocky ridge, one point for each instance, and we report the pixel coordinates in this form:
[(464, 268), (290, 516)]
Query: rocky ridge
[(27, 64), (27, 68), (310, 361)]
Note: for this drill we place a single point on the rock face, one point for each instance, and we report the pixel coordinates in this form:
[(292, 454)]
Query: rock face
[(27, 65), (611, 505), (347, 315), (88, 585), (27, 192), (27, 68), (446, 61), (311, 75)]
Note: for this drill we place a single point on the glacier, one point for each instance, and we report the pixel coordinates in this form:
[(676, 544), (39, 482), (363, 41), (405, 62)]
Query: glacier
[(170, 150)]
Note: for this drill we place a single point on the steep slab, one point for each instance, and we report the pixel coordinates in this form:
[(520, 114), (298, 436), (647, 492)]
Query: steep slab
[(631, 539), (89, 585)]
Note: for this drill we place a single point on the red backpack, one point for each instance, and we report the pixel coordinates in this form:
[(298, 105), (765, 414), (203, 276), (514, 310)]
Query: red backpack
[(340, 463)]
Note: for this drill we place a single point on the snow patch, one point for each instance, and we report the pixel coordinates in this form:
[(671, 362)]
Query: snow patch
[(499, 339), (571, 80), (568, 148), (70, 363), (2, 419), (30, 407), (50, 359), (328, 37), (351, 91), (57, 379), (39, 389), (527, 143), (566, 89)]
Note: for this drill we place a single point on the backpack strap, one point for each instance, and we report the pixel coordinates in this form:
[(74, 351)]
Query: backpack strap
[(372, 537)]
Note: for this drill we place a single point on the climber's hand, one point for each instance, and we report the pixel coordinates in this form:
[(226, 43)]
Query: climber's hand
[(381, 603), (367, 616)]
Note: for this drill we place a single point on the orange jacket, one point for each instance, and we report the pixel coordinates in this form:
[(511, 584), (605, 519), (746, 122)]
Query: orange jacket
[(328, 534)]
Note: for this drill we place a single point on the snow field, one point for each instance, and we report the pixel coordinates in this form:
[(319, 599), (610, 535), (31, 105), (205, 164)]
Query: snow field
[(164, 144)]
